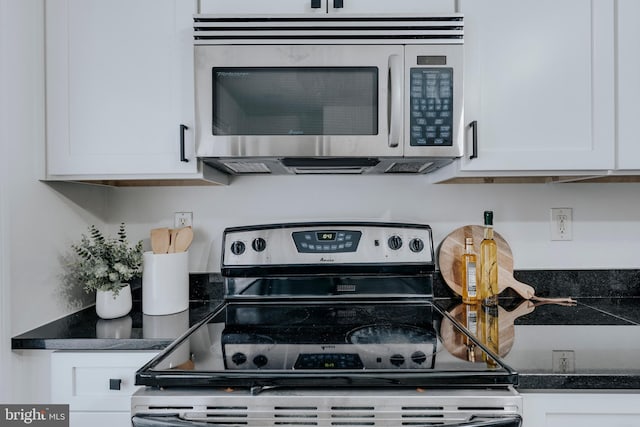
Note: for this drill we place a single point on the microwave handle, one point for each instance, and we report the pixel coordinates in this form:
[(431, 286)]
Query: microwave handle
[(394, 114)]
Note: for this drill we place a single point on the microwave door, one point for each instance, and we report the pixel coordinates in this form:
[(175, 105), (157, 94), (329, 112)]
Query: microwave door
[(299, 101)]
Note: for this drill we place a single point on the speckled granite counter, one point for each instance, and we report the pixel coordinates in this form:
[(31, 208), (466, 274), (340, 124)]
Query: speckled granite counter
[(602, 329), (84, 330), (603, 332)]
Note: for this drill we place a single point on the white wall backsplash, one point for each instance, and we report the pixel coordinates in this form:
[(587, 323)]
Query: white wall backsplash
[(37, 220), (606, 228)]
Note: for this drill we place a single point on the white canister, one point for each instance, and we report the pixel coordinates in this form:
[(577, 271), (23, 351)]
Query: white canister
[(165, 283)]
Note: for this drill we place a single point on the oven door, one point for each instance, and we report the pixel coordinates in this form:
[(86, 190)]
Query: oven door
[(174, 420), (303, 101)]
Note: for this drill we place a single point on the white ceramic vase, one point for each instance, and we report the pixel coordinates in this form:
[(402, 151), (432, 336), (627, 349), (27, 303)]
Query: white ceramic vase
[(111, 306)]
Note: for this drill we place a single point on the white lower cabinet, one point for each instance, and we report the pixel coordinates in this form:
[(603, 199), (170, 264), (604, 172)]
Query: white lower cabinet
[(581, 409), (97, 386)]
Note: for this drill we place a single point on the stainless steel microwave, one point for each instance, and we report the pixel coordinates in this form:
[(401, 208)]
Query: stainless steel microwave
[(329, 95)]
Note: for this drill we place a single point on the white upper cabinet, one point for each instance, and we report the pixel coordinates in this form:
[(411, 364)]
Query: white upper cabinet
[(539, 82), (628, 89), (119, 85), (280, 7)]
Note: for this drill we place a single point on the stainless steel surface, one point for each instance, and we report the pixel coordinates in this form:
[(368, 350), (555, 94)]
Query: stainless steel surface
[(333, 407), (391, 46), (372, 248)]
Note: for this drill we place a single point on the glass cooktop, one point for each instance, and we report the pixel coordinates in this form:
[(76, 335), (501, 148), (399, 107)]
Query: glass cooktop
[(317, 342)]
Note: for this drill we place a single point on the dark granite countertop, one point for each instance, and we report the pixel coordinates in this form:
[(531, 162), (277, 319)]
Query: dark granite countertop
[(601, 335), (84, 330), (601, 332)]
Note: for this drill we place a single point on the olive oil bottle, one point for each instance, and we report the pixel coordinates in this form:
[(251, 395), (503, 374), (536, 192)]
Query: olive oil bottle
[(471, 323), (489, 333), (469, 273), (488, 263)]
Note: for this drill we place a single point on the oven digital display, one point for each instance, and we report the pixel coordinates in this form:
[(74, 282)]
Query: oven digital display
[(322, 241), (329, 361), (326, 236)]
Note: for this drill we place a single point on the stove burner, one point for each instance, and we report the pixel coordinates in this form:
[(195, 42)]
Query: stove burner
[(389, 334)]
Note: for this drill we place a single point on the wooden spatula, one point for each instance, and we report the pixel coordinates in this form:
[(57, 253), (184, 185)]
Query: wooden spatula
[(173, 233), (160, 240), (183, 239)]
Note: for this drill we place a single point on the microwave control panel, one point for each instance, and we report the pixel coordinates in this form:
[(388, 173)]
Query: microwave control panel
[(431, 102)]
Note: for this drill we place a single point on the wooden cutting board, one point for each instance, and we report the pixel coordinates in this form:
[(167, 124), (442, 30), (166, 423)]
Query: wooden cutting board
[(450, 254)]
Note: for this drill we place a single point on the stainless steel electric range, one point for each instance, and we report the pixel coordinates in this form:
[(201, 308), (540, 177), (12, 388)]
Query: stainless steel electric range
[(327, 324)]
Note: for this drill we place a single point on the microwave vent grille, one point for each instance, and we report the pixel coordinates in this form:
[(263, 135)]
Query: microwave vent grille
[(247, 167), (441, 29), (408, 167)]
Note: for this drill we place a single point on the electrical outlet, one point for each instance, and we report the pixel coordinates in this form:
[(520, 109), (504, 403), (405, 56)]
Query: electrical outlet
[(183, 219), (564, 361), (561, 224)]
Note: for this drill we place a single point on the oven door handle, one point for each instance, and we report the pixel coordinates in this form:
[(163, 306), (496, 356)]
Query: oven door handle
[(509, 421), (155, 420), (394, 115), (173, 420)]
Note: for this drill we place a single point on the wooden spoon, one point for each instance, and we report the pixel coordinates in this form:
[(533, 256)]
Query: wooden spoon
[(160, 240), (183, 239), (173, 233)]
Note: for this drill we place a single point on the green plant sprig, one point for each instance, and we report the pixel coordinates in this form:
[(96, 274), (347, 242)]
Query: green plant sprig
[(105, 263)]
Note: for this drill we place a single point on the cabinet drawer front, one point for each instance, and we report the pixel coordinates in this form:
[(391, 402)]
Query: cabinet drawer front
[(102, 381), (99, 419)]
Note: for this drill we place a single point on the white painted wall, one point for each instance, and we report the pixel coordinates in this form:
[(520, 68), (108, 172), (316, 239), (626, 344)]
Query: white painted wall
[(37, 220), (606, 230)]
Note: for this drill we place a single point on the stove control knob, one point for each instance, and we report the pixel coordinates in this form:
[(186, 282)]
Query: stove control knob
[(237, 247), (395, 242), (397, 360), (419, 357), (239, 358), (260, 360), (259, 244), (416, 245)]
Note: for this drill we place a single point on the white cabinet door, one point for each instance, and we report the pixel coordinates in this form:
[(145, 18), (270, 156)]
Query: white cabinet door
[(119, 85), (263, 7), (280, 7), (398, 7), (628, 90), (83, 380), (595, 409), (539, 81)]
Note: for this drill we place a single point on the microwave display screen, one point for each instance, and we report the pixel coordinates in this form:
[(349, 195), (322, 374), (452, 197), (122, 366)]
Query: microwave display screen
[(431, 100), (295, 101), (431, 60)]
